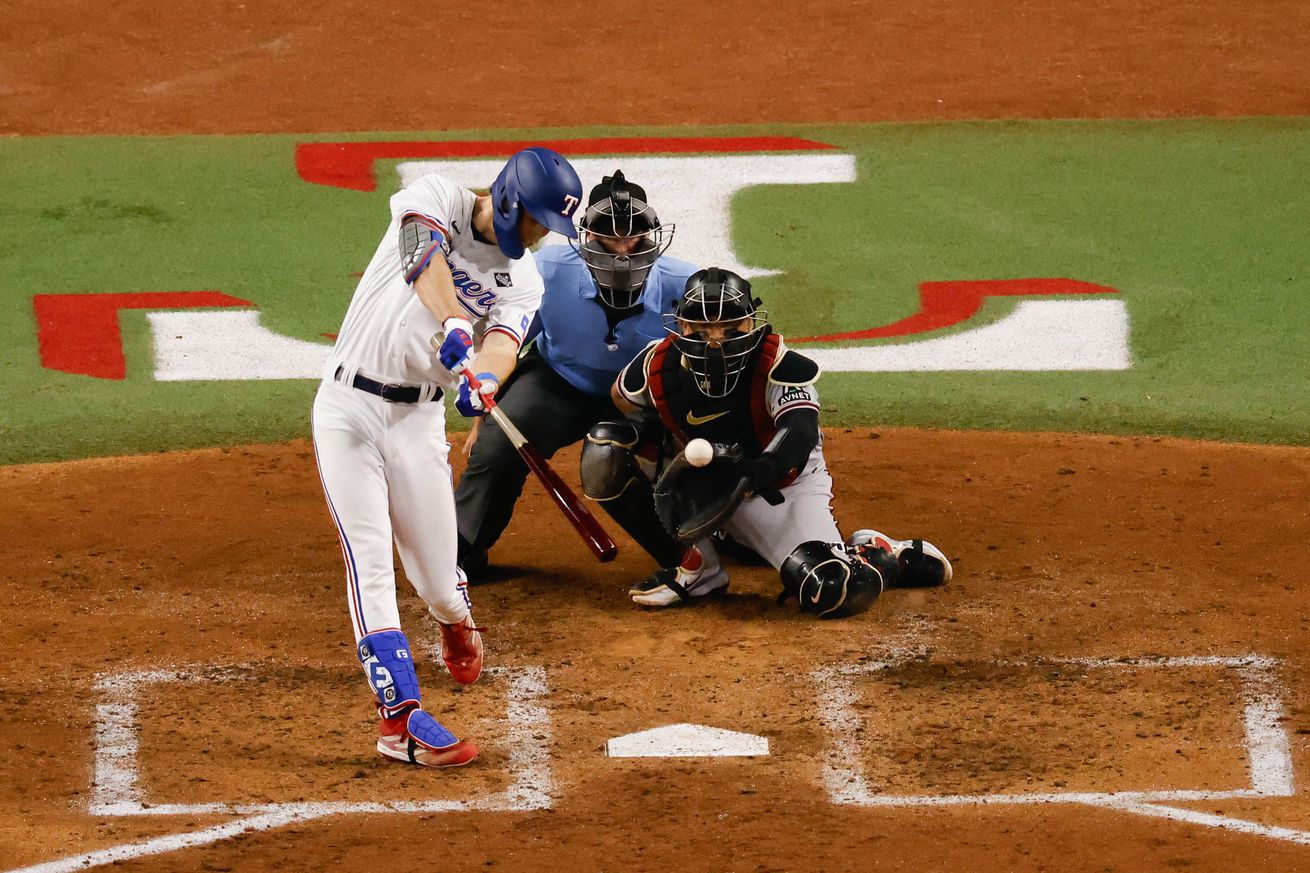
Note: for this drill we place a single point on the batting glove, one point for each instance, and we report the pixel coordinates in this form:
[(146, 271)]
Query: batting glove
[(456, 348), (469, 402)]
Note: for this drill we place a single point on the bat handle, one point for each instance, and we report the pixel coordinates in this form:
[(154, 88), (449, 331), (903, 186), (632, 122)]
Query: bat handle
[(476, 385)]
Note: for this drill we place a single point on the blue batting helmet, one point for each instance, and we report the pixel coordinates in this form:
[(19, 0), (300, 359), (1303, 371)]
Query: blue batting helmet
[(544, 183)]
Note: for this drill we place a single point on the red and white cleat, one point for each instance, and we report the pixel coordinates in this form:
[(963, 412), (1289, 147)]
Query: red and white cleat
[(461, 649), (922, 564), (695, 576), (417, 738)]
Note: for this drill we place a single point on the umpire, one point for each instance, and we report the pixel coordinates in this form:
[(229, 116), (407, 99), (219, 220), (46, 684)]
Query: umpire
[(606, 298)]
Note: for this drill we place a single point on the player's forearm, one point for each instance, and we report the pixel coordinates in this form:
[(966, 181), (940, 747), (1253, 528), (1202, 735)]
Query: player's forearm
[(499, 355), (436, 291), (797, 435)]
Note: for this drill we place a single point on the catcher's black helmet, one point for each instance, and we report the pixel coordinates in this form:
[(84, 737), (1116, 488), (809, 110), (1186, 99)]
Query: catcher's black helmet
[(717, 325), (621, 240)]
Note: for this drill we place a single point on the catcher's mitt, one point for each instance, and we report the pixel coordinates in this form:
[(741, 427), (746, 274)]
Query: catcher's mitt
[(694, 502)]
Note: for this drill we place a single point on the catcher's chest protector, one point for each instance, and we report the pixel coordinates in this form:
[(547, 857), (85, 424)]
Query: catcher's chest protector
[(742, 417)]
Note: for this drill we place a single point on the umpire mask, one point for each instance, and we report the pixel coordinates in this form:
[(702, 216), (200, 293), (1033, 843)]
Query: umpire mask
[(621, 238), (717, 326)]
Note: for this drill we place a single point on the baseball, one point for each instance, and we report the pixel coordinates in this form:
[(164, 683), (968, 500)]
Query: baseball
[(699, 452)]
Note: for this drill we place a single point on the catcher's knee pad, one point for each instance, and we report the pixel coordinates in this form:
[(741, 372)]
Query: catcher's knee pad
[(612, 477), (609, 463), (390, 670), (831, 583)]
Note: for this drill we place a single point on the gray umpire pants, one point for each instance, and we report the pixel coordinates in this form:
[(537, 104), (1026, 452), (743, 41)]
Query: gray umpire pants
[(552, 414)]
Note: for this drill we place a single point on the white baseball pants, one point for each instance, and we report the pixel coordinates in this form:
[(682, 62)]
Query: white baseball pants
[(386, 474)]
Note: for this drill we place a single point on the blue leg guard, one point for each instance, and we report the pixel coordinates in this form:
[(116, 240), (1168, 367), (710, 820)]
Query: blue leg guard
[(390, 671), (429, 732)]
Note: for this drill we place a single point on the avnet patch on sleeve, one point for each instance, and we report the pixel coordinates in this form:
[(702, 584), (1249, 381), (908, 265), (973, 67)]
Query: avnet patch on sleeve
[(786, 397)]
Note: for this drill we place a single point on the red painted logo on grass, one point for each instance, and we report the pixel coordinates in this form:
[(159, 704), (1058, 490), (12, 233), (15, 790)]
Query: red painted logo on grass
[(79, 334)]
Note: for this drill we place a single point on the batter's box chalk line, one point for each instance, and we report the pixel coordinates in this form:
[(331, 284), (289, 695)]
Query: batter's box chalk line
[(1268, 749), (116, 791)]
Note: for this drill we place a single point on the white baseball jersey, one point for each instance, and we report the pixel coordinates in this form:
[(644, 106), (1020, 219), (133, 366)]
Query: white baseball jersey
[(387, 333), (385, 466)]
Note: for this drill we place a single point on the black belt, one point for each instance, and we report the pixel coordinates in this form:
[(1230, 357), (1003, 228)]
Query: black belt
[(388, 391)]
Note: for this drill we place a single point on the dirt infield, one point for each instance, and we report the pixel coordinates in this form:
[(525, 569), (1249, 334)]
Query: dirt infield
[(1127, 614), (70, 67)]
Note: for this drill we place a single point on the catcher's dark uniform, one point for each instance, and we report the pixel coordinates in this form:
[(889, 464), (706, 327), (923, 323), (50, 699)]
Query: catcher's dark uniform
[(778, 381)]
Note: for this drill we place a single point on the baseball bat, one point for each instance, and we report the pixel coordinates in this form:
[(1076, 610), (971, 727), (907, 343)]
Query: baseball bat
[(574, 510)]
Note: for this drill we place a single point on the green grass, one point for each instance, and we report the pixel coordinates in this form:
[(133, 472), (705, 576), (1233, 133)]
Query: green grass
[(1203, 226)]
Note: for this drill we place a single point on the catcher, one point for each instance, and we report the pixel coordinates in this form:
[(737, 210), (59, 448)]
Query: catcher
[(722, 375)]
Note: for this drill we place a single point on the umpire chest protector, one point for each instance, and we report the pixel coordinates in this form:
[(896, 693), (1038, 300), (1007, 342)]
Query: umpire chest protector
[(742, 416)]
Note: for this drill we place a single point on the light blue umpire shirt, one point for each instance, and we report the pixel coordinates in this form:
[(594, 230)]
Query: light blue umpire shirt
[(571, 327)]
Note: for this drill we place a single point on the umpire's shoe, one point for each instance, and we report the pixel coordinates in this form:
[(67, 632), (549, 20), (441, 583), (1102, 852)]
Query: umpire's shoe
[(416, 737), (693, 577), (922, 564)]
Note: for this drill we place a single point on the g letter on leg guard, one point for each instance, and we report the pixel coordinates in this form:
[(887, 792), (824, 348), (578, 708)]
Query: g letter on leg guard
[(390, 670)]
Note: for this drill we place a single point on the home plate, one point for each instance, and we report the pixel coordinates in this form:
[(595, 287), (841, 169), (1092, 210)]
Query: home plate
[(686, 741)]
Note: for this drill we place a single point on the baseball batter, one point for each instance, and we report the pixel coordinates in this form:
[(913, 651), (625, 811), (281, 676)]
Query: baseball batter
[(722, 375), (451, 286)]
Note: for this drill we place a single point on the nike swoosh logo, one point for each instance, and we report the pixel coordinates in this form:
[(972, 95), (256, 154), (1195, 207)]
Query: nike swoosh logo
[(818, 592), (694, 419), (455, 227)]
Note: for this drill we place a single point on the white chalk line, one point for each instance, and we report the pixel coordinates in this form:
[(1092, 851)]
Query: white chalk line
[(1269, 749), (172, 842), (1213, 820), (1267, 745), (115, 781)]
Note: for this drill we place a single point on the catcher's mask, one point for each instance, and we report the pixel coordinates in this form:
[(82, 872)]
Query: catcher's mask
[(621, 238), (716, 326)]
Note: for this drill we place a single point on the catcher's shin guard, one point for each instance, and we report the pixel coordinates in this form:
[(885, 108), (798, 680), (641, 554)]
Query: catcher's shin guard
[(390, 670), (828, 582), (922, 565)]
